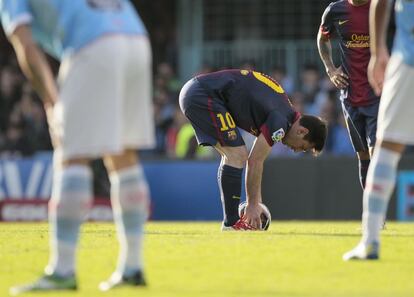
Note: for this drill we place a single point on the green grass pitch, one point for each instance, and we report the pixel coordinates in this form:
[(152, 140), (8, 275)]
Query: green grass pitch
[(191, 259)]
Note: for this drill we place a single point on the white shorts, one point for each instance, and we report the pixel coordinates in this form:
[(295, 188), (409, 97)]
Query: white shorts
[(105, 103), (395, 116)]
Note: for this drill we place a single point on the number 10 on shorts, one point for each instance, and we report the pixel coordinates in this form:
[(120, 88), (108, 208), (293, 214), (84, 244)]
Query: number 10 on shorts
[(226, 121)]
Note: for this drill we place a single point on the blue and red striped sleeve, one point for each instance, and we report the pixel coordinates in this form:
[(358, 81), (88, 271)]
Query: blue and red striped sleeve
[(327, 25)]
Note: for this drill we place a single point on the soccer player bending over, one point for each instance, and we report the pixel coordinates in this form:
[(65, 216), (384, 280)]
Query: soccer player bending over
[(219, 103)]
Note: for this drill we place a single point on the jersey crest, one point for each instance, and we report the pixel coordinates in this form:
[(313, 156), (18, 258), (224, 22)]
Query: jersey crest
[(278, 135)]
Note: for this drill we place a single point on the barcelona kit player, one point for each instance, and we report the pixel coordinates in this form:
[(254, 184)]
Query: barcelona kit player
[(348, 20), (218, 104)]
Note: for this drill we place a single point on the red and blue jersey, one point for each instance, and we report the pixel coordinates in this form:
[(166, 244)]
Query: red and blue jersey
[(256, 102), (350, 23)]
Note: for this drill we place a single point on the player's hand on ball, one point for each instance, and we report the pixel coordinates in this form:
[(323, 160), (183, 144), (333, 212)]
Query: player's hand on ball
[(252, 215), (338, 78)]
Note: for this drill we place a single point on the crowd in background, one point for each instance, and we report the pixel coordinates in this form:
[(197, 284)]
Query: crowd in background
[(23, 124), (24, 130)]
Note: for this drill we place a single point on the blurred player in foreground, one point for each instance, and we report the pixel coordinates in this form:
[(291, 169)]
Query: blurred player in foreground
[(395, 78), (217, 103), (348, 19), (101, 107)]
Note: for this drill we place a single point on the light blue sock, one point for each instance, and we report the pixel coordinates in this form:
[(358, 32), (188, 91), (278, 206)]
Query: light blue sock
[(378, 190), (130, 203), (68, 208)]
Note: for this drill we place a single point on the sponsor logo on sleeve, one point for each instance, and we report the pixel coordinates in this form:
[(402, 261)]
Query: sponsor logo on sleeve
[(278, 135)]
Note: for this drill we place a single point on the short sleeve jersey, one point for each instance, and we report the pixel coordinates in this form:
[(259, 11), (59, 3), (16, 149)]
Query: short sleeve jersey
[(404, 37), (351, 25), (65, 26), (257, 103)]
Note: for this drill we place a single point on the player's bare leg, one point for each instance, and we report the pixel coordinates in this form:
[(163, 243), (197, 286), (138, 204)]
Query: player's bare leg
[(130, 203), (380, 184), (364, 158), (233, 160)]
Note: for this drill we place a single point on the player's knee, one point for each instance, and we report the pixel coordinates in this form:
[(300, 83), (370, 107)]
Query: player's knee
[(364, 155), (126, 159), (393, 146), (237, 158), (74, 162)]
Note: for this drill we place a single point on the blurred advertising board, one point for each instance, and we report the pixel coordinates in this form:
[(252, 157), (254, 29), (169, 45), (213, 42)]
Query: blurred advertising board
[(405, 196), (12, 210), (25, 187), (180, 190)]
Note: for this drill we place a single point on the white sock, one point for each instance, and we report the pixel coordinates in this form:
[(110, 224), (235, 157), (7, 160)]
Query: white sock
[(378, 190), (68, 208), (130, 203)]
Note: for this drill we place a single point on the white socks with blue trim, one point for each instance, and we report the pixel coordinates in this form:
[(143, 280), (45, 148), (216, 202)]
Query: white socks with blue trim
[(378, 190), (130, 203), (68, 208)]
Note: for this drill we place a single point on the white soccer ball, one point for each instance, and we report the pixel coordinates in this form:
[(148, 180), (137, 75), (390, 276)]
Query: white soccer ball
[(266, 217)]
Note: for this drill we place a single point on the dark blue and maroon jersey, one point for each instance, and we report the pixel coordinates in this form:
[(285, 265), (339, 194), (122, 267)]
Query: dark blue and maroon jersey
[(256, 102), (351, 24)]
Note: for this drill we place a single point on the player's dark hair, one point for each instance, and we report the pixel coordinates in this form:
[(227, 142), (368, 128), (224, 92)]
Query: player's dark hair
[(318, 130)]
